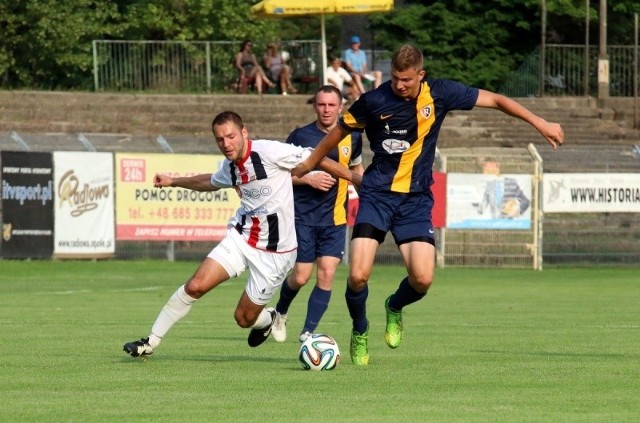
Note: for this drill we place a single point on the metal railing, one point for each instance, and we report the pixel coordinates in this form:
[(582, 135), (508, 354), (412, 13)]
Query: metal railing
[(566, 71), (207, 66), (185, 67)]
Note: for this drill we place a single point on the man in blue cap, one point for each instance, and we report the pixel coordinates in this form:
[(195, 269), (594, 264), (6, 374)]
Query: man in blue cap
[(355, 61)]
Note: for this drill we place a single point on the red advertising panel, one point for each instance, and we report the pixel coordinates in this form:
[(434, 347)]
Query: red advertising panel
[(352, 205), (439, 189)]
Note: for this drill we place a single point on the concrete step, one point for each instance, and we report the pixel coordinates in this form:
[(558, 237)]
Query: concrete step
[(269, 115), (135, 120)]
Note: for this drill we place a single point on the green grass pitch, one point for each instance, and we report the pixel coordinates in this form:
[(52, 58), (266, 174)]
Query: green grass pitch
[(561, 345)]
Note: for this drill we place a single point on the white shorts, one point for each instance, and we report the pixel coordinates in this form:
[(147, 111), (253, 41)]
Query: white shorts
[(267, 270)]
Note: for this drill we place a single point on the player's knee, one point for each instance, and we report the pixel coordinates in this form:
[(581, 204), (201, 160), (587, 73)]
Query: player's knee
[(196, 287), (297, 281), (422, 283), (242, 319), (358, 280)]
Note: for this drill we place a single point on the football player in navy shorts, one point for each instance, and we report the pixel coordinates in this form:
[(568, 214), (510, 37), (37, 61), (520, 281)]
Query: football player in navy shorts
[(321, 217), (402, 119)]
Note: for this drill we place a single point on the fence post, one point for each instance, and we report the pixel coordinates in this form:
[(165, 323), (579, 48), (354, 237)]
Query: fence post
[(585, 77), (603, 57), (95, 65), (636, 122), (543, 46), (208, 50), (537, 213)]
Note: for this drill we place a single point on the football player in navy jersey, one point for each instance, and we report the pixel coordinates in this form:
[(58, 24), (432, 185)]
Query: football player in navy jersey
[(321, 217), (402, 119), (259, 237)]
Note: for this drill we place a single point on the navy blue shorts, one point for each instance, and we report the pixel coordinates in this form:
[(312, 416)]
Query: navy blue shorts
[(407, 216), (319, 241)]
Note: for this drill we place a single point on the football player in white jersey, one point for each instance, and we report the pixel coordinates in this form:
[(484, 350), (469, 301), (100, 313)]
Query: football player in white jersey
[(260, 236)]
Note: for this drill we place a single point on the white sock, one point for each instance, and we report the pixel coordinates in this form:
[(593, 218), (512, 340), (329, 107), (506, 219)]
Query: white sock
[(176, 308), (263, 320)]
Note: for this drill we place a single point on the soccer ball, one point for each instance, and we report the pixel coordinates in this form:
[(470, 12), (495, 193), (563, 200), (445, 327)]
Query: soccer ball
[(319, 352)]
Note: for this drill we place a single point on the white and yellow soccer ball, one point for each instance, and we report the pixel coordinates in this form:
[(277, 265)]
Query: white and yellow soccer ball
[(319, 352)]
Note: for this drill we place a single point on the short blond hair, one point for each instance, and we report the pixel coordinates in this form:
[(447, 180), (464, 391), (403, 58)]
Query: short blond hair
[(407, 57)]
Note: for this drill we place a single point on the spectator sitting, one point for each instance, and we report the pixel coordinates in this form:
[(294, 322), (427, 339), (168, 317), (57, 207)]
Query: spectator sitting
[(356, 63), (340, 78), (250, 71), (276, 62)]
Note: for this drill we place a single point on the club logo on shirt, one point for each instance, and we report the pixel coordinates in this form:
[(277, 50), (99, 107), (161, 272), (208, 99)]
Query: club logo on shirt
[(345, 151), (395, 146), (256, 193), (426, 112)]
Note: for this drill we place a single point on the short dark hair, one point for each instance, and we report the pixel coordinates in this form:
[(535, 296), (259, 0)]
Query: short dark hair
[(406, 57), (227, 116), (327, 89)]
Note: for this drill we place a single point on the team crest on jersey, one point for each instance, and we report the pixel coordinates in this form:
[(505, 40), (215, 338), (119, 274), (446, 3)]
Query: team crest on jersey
[(345, 151), (426, 112)]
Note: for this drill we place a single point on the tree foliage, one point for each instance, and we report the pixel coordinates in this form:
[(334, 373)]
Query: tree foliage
[(194, 20), (48, 43), (480, 43)]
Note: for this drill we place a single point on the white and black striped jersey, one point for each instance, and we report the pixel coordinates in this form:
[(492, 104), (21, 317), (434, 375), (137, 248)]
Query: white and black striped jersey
[(262, 178)]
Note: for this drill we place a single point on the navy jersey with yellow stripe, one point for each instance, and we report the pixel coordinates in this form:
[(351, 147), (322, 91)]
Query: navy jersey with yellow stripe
[(316, 207), (403, 133)]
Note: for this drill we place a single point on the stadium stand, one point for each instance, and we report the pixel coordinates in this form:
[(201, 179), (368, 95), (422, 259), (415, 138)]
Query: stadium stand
[(132, 122)]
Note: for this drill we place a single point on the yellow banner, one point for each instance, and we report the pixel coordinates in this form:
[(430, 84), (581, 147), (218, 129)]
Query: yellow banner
[(147, 213)]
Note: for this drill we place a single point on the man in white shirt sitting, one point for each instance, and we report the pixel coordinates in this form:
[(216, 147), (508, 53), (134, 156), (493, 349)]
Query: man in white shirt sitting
[(340, 78)]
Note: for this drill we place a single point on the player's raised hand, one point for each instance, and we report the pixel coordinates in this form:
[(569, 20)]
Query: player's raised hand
[(160, 181), (553, 133)]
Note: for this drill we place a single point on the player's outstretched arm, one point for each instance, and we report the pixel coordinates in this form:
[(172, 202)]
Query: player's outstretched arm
[(328, 143), (200, 182), (551, 131), (339, 171)]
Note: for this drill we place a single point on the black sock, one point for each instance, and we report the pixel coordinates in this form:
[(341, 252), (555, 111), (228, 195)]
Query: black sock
[(357, 305), (286, 298), (404, 295)]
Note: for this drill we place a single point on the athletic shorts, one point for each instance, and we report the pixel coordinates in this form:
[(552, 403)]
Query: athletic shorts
[(267, 269), (407, 216), (320, 241)]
